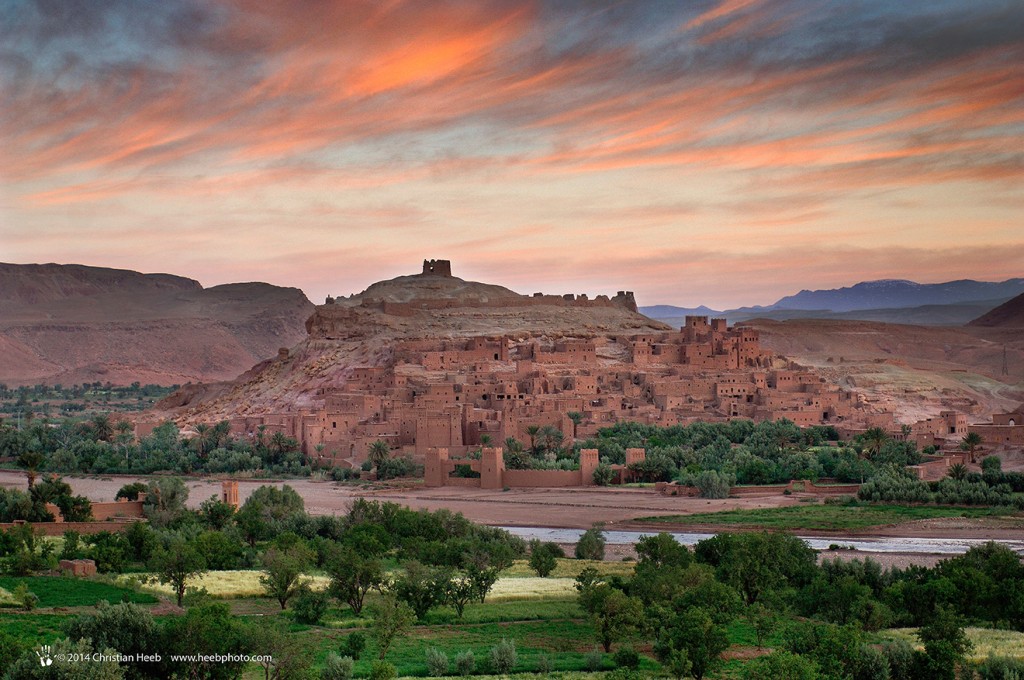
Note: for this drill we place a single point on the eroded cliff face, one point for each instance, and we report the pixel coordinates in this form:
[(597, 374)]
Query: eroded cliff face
[(71, 324)]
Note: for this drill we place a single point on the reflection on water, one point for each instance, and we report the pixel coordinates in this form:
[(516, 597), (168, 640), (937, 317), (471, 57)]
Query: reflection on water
[(942, 546)]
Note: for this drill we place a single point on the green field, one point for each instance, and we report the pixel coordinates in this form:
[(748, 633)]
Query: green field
[(828, 517), (59, 591)]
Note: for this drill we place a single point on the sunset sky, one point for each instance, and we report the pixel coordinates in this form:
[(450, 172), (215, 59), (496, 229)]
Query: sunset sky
[(718, 152)]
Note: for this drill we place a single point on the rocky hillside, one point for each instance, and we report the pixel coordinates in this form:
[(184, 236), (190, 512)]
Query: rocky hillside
[(916, 371), (361, 331), (1010, 314), (71, 324)]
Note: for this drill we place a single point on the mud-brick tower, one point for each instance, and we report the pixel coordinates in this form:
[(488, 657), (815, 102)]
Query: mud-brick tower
[(229, 493), (492, 467), (588, 463)]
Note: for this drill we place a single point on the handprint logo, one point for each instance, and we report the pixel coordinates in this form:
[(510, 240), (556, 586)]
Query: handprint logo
[(44, 656)]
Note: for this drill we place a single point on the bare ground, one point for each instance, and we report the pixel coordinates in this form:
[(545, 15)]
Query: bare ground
[(570, 508)]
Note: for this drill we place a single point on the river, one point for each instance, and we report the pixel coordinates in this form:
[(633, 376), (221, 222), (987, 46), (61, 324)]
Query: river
[(912, 546)]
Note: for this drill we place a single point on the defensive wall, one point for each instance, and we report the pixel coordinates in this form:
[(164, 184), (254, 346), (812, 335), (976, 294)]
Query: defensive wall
[(438, 467)]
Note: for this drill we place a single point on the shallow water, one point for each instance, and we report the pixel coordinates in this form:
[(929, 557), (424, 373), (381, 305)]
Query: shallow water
[(930, 546)]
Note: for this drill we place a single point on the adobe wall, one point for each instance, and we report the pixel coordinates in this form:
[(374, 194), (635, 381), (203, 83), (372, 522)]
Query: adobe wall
[(542, 478), (994, 435), (105, 511)]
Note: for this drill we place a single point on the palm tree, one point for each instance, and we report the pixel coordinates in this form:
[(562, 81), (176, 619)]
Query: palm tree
[(221, 434), (532, 431), (379, 452), (970, 444), (30, 460), (102, 427), (576, 417), (202, 440), (958, 471), (874, 438)]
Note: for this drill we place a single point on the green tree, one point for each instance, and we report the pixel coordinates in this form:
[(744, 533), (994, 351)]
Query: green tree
[(576, 417), (31, 460), (206, 630), (392, 619), (422, 587), (873, 439), (970, 443), (102, 427), (130, 492), (694, 633), (945, 643), (379, 452), (782, 665), (460, 590), (165, 501), (532, 431), (603, 474), (353, 576), (126, 627), (282, 571), (176, 563), (542, 560), (617, 617), (283, 656), (756, 564), (957, 471), (215, 513), (591, 544)]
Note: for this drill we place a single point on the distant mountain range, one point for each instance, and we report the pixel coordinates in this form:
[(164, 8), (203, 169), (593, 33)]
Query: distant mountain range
[(71, 323), (952, 303)]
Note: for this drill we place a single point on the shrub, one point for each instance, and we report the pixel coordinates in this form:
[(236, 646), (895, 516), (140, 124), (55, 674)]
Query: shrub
[(310, 605), (542, 559), (382, 670), (593, 660), (1001, 668), (465, 663), (395, 467), (626, 658), (713, 484), (900, 656), (591, 544), (544, 664), (437, 662), (991, 464), (25, 597), (603, 474), (503, 656), (337, 667), (354, 645)]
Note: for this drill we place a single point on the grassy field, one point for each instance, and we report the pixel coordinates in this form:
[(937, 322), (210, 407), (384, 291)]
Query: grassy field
[(517, 583), (987, 641), (827, 517), (58, 591), (220, 584)]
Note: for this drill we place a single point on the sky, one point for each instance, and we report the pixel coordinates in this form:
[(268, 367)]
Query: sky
[(717, 152)]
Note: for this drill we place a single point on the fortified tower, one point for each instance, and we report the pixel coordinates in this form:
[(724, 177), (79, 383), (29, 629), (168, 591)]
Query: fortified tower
[(437, 268)]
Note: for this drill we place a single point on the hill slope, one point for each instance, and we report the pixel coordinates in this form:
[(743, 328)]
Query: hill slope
[(1010, 314), (363, 331), (71, 324)]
